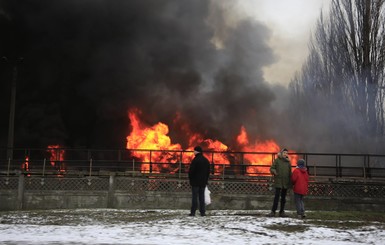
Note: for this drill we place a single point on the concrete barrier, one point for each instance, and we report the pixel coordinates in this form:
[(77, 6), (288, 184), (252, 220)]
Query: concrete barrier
[(29, 193)]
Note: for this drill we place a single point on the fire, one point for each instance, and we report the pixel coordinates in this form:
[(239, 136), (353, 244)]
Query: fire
[(220, 160), (256, 159), (163, 152), (198, 139), (25, 165), (261, 160), (56, 157), (154, 137)]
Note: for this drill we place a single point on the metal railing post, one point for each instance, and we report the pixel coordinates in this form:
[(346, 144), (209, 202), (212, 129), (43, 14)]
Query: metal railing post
[(111, 191), (150, 161), (180, 164), (244, 168), (337, 170), (90, 167), (20, 191), (9, 164), (44, 166), (133, 167)]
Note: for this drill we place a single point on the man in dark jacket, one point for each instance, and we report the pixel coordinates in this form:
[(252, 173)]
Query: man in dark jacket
[(198, 175), (281, 170)]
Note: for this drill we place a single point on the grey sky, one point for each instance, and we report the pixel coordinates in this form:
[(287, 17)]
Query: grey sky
[(291, 23)]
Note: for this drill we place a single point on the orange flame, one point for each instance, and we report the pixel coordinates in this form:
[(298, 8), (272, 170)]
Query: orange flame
[(25, 165), (262, 160), (56, 157), (156, 138)]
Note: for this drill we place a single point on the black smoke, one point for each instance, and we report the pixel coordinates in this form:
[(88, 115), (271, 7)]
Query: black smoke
[(87, 62)]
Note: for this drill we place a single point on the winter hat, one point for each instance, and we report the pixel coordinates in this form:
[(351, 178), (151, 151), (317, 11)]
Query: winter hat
[(284, 149), (198, 149), (301, 163)]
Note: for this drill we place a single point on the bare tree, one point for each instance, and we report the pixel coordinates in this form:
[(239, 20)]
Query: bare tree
[(346, 62)]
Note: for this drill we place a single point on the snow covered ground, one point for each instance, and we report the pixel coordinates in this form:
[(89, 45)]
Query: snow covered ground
[(115, 226)]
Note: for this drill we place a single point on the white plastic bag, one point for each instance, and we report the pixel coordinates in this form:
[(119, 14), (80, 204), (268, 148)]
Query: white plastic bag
[(207, 196)]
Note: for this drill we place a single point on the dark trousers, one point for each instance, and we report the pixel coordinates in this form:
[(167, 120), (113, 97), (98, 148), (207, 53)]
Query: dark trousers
[(298, 198), (198, 193), (279, 192)]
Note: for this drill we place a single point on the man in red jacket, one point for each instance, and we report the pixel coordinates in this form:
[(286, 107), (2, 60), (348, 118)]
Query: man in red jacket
[(300, 180)]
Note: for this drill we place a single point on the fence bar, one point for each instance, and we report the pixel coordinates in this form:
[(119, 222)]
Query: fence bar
[(337, 169), (150, 161), (44, 166), (180, 164), (133, 167), (9, 163), (90, 167)]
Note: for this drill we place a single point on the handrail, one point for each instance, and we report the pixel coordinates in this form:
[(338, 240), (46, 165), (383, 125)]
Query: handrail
[(228, 164)]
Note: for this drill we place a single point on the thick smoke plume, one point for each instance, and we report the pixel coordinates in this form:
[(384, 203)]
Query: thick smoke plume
[(86, 63)]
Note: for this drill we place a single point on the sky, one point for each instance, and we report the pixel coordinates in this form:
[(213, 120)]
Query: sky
[(291, 23), (144, 227)]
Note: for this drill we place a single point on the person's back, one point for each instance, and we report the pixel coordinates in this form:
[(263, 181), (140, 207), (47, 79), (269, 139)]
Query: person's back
[(199, 171), (198, 174), (300, 180), (281, 170)]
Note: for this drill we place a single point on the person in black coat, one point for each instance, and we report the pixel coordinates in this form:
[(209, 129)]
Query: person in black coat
[(198, 175)]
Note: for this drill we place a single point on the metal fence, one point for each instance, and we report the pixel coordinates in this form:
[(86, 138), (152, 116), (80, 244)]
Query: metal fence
[(142, 185), (248, 166)]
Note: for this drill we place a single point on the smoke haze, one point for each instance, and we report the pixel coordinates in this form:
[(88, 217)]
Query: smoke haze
[(87, 62)]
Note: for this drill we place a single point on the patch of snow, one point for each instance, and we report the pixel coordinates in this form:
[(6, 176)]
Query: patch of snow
[(115, 226)]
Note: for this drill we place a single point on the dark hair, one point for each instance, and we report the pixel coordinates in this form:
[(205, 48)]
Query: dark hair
[(198, 149)]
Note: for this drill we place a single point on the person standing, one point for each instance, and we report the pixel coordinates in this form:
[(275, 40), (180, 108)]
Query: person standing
[(281, 170), (300, 180), (198, 174)]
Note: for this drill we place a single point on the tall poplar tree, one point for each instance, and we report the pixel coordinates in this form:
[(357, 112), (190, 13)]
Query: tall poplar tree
[(346, 64)]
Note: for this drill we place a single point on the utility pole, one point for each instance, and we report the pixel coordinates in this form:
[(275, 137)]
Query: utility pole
[(11, 125)]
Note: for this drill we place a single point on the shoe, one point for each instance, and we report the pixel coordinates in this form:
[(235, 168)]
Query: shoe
[(282, 214), (299, 216), (271, 214), (303, 216), (203, 214), (191, 215)]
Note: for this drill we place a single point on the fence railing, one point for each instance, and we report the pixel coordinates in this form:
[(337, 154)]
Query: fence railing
[(175, 164)]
